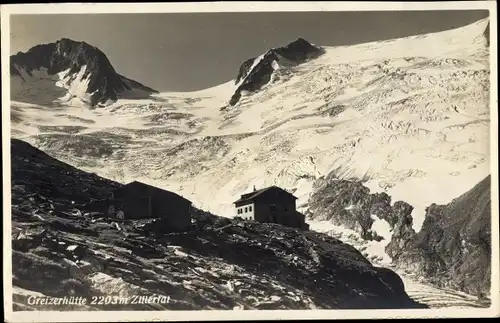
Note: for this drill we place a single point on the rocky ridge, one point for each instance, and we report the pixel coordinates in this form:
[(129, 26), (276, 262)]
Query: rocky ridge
[(256, 72), (452, 249), (350, 204)]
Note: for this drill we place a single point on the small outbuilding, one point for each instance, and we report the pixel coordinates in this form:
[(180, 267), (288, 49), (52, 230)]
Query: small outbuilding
[(138, 200)]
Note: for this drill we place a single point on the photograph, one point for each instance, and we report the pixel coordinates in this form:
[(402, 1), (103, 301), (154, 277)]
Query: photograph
[(242, 161)]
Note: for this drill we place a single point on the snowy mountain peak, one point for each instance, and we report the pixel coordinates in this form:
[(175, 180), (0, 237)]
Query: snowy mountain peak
[(256, 72), (66, 46), (66, 70)]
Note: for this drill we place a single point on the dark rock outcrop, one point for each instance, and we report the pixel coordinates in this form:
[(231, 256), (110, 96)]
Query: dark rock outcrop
[(105, 83), (61, 249), (350, 204), (453, 247), (254, 74), (486, 34)]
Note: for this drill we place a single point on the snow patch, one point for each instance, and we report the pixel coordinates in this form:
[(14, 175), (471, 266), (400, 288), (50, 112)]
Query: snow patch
[(381, 227)]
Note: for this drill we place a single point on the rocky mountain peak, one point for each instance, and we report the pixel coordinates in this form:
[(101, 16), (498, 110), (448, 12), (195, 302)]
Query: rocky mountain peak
[(80, 49), (299, 50), (78, 61), (256, 72), (59, 55)]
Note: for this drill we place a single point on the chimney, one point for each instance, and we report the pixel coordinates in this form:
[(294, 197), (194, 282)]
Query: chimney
[(254, 189)]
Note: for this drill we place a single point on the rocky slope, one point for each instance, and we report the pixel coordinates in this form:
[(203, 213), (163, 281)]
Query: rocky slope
[(59, 249), (69, 69), (453, 248)]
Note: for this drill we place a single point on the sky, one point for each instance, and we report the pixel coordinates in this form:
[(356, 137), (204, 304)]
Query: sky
[(193, 51)]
